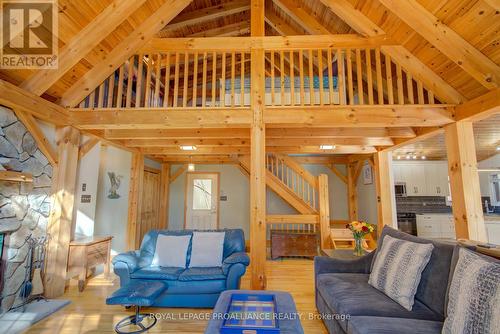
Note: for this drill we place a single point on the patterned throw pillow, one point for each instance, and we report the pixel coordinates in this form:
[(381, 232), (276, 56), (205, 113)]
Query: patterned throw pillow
[(398, 268), (474, 297)]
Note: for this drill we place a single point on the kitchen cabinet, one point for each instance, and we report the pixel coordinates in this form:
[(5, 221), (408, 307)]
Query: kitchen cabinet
[(436, 226), (423, 178)]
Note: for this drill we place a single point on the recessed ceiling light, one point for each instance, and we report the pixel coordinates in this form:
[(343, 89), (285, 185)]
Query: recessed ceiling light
[(188, 147), (408, 157), (191, 167), (498, 148), (423, 157), (414, 157), (327, 147), (398, 157)]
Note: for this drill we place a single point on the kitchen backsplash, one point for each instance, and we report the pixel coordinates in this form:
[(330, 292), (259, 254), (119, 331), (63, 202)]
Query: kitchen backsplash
[(432, 204), (422, 204)]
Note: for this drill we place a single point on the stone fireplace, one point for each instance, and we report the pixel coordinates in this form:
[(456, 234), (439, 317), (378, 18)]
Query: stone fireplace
[(24, 207)]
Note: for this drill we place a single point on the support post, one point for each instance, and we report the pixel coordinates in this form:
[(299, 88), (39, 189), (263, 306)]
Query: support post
[(134, 199), (324, 211), (464, 182), (352, 192), (257, 154), (60, 222), (386, 200), (164, 194)]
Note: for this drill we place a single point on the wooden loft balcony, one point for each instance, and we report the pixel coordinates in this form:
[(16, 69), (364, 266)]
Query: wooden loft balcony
[(300, 73)]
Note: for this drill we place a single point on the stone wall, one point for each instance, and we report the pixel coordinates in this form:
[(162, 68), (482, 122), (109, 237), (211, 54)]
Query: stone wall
[(24, 207)]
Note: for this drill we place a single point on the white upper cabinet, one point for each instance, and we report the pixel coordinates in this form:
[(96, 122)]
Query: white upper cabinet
[(423, 178)]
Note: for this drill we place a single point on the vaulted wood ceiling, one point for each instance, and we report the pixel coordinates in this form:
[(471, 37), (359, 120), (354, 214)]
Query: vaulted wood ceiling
[(466, 23), (476, 21)]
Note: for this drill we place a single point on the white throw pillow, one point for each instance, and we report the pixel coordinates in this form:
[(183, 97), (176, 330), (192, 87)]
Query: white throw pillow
[(207, 249), (398, 268), (171, 251)]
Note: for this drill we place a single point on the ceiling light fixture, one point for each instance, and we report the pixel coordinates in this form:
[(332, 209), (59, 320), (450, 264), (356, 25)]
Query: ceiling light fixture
[(188, 147), (498, 148), (423, 157), (191, 167), (398, 157), (327, 147), (408, 157)]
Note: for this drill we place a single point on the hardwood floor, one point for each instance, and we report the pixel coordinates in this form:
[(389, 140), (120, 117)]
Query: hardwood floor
[(88, 312)]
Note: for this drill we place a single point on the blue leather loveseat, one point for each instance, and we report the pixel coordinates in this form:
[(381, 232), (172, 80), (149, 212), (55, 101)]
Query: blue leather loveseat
[(186, 287)]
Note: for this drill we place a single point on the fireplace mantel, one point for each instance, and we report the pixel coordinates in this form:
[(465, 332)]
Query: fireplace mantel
[(7, 175)]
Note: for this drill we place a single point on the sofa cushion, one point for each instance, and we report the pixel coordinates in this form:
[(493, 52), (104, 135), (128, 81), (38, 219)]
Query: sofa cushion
[(207, 249), (474, 300), (350, 294), (202, 274), (384, 325), (171, 250), (160, 273), (398, 268), (432, 288)]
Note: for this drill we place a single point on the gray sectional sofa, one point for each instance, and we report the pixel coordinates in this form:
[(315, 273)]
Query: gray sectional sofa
[(348, 304)]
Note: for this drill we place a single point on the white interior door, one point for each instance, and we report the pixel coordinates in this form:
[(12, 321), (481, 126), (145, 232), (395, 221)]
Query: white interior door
[(202, 201)]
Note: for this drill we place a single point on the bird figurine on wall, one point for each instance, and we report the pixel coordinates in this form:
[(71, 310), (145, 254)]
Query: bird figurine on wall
[(115, 184)]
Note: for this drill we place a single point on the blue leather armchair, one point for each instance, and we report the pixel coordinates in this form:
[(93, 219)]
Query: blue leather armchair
[(189, 287)]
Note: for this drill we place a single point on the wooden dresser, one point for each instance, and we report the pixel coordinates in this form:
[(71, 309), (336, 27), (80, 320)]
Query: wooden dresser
[(85, 254), (286, 243)]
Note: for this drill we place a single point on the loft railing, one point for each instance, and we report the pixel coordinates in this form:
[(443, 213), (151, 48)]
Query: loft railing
[(293, 77)]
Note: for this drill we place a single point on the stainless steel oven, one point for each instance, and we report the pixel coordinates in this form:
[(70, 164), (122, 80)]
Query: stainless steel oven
[(400, 189), (407, 222)]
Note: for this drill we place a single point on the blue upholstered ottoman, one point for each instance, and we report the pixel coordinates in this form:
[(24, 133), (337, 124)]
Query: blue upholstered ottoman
[(136, 293), (284, 304)]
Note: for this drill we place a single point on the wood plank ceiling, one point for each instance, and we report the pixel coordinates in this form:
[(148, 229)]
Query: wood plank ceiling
[(475, 21)]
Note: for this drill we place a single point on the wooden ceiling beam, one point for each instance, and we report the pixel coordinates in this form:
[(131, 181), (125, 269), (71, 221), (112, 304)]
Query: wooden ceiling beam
[(479, 108), (139, 118), (383, 141), (359, 116), (205, 15), (302, 17), (277, 23), (363, 25), (177, 134), (344, 149), (230, 30), (122, 52), (277, 117), (244, 134), (82, 43), (276, 43), (20, 99), (218, 150), (322, 160), (202, 150), (446, 40), (217, 159)]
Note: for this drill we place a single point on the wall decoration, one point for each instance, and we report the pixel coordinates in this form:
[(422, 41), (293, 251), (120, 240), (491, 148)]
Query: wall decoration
[(115, 185), (367, 174)]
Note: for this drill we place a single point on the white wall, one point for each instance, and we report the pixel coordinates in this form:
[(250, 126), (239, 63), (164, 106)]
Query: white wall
[(484, 177), (111, 214), (367, 200), (88, 174), (235, 212)]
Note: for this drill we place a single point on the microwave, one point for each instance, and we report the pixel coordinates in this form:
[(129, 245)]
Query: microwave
[(400, 189)]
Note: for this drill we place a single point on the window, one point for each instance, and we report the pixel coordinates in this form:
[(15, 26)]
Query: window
[(202, 194)]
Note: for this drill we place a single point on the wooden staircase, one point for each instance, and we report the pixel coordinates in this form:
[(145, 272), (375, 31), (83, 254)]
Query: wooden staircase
[(303, 191)]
